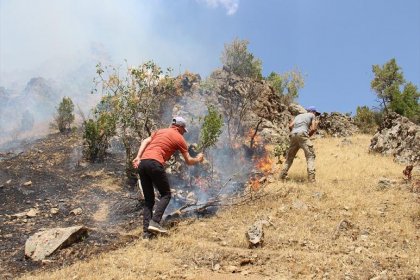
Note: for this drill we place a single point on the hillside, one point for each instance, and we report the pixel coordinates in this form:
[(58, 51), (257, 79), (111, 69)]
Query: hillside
[(346, 226)]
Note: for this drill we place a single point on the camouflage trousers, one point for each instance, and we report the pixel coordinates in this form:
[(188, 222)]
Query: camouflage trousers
[(297, 141)]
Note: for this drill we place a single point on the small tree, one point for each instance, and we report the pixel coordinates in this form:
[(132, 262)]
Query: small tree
[(287, 85), (387, 81), (211, 129), (406, 103), (240, 61), (134, 100), (64, 117)]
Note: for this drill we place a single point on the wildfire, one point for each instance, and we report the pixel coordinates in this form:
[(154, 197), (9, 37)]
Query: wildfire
[(255, 184), (265, 164), (256, 137)]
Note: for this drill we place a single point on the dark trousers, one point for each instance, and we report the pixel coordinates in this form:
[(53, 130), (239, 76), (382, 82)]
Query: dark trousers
[(153, 173)]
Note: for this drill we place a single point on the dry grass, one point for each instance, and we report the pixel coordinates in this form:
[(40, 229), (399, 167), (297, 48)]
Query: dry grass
[(381, 237)]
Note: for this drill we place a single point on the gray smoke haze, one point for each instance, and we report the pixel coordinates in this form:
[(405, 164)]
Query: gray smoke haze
[(49, 49)]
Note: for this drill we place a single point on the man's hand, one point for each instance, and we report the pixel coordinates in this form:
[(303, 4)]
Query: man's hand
[(200, 157), (136, 162)]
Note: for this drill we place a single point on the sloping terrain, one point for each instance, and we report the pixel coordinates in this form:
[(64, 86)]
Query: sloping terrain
[(48, 178), (360, 220)]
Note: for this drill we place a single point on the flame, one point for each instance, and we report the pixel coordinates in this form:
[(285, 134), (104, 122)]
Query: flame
[(255, 184), (265, 164)]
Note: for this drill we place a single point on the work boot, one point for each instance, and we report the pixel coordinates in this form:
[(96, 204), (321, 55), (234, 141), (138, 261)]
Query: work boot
[(311, 179), (283, 176), (156, 228)]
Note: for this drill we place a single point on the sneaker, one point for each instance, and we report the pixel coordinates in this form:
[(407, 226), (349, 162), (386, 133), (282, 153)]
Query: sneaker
[(156, 228)]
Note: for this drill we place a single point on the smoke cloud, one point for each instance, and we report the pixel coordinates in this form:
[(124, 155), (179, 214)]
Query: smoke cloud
[(58, 43)]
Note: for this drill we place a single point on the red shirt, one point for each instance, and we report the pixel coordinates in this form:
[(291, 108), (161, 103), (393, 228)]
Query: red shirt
[(164, 144)]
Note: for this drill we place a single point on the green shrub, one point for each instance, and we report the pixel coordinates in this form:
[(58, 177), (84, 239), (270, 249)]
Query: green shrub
[(96, 135), (366, 119), (64, 117)]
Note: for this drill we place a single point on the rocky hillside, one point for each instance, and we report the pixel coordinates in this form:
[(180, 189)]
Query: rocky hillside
[(359, 221)]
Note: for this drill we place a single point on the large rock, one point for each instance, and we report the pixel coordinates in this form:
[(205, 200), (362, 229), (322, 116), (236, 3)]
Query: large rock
[(399, 137), (296, 109), (44, 243), (336, 125)]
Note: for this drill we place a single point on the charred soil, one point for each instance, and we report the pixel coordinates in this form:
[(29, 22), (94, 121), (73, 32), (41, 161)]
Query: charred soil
[(49, 178)]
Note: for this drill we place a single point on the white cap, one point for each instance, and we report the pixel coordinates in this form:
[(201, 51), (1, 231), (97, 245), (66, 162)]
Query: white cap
[(180, 121)]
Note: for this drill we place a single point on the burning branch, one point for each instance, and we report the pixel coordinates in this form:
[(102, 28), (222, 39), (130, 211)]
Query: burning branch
[(251, 143)]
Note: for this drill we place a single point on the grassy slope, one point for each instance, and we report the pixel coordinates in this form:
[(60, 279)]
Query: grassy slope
[(303, 244)]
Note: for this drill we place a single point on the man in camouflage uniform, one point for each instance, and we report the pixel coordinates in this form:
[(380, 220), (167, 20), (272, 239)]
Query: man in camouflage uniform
[(302, 127)]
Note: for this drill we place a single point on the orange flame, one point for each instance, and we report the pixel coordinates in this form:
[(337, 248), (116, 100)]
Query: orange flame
[(265, 164), (255, 184)]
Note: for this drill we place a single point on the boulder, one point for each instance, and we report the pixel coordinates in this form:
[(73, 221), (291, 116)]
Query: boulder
[(296, 109), (399, 137), (44, 243)]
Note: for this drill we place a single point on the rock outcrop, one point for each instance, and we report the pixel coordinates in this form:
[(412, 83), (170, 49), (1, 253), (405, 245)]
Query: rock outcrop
[(336, 125), (399, 137)]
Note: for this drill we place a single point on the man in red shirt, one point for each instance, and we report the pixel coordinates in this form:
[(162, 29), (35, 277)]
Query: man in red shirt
[(154, 151)]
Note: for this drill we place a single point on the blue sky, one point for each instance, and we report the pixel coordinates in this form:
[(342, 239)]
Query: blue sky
[(333, 43)]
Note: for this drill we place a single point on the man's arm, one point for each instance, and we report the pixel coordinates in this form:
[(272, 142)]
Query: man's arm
[(190, 160), (291, 125), (314, 127), (143, 146)]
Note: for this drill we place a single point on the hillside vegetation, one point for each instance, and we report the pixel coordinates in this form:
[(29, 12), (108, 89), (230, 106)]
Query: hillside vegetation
[(346, 226)]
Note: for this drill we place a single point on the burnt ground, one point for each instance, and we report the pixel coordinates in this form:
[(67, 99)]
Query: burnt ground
[(110, 207)]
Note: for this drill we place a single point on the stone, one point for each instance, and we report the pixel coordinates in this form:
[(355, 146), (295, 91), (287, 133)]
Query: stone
[(27, 184), (76, 211), (32, 213), (385, 183), (255, 234), (18, 215), (296, 109), (44, 243), (399, 137)]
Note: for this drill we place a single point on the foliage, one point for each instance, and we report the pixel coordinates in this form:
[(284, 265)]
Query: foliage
[(237, 105), (281, 148), (240, 61), (387, 81), (387, 84), (134, 99), (365, 120), (210, 129), (287, 85), (65, 116), (406, 103), (96, 134)]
